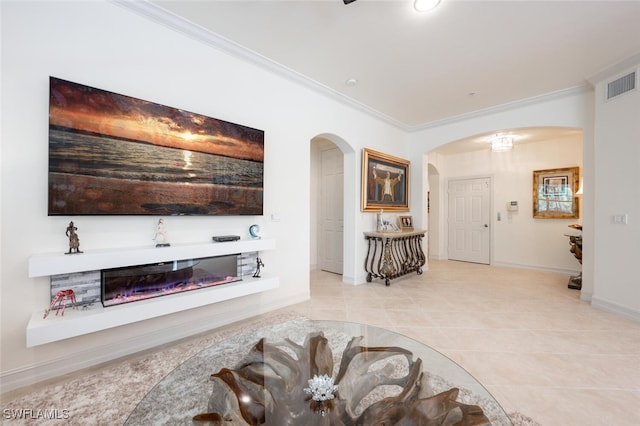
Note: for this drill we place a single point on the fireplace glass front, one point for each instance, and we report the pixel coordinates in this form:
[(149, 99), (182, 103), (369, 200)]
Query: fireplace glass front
[(133, 283)]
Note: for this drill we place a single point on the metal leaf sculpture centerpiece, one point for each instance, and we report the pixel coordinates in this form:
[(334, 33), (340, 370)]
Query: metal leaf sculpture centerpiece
[(321, 388), (286, 383)]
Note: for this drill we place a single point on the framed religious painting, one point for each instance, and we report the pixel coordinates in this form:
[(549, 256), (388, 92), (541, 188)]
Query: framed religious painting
[(385, 182), (554, 193)]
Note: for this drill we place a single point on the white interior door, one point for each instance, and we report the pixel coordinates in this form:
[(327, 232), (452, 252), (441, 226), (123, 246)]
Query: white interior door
[(331, 210), (469, 214)]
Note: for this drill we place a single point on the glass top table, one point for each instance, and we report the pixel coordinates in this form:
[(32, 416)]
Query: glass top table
[(262, 376)]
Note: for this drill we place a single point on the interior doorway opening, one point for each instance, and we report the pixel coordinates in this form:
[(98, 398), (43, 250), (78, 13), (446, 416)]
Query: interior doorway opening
[(327, 206)]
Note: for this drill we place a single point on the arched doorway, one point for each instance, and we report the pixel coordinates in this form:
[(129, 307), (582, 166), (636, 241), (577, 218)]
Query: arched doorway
[(433, 213), (510, 172), (332, 181)]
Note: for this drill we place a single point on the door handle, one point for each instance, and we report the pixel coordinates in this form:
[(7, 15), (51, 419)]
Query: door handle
[(486, 226)]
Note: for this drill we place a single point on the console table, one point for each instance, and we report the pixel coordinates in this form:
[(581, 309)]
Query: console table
[(393, 254)]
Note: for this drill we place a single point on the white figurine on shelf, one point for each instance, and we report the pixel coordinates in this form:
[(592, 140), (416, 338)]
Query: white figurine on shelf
[(380, 221), (161, 235)]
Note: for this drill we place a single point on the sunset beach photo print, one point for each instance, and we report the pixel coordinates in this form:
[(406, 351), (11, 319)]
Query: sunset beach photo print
[(112, 154)]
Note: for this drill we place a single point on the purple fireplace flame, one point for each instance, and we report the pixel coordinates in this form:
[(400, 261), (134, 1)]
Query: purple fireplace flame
[(133, 283)]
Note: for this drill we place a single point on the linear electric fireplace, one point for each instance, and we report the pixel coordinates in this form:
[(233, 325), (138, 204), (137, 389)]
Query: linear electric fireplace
[(133, 283)]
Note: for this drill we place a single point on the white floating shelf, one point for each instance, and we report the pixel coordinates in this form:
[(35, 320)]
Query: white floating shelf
[(78, 322), (41, 265)]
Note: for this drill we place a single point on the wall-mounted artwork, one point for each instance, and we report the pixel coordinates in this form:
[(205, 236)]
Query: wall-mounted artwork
[(554, 193), (385, 182), (112, 154)]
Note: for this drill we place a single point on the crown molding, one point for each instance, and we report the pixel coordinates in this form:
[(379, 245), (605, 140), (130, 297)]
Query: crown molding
[(619, 68), (217, 41), (208, 37), (572, 91)]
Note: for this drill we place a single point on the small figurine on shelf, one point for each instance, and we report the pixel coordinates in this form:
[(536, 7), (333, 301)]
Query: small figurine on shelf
[(259, 265), (161, 235), (380, 221), (61, 300), (74, 240)]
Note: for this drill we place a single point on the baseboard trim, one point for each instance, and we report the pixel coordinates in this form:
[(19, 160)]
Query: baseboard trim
[(71, 363), (586, 296), (566, 271), (357, 280), (615, 308)]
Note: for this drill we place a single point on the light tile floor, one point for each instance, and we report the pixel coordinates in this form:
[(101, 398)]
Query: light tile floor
[(529, 339)]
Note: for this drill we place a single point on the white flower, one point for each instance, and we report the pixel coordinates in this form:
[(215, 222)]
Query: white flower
[(321, 388)]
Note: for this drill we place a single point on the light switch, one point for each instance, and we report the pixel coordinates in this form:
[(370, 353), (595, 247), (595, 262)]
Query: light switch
[(621, 219)]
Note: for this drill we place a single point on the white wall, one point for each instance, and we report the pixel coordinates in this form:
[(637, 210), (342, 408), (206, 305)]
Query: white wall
[(570, 109), (104, 45), (107, 46), (617, 191), (518, 240), (611, 166), (435, 244)]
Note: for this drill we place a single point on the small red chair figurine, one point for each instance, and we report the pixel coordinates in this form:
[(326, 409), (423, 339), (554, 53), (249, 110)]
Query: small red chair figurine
[(61, 300)]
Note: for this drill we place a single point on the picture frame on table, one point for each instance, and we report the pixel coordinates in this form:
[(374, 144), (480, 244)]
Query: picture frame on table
[(406, 223)]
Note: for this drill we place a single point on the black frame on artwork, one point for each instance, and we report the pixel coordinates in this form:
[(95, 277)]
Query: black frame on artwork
[(111, 154)]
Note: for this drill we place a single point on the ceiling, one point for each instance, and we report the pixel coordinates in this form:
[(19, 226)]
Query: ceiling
[(418, 69)]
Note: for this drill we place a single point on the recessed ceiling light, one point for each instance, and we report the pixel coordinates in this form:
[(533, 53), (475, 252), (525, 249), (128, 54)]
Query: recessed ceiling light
[(351, 81), (425, 5)]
